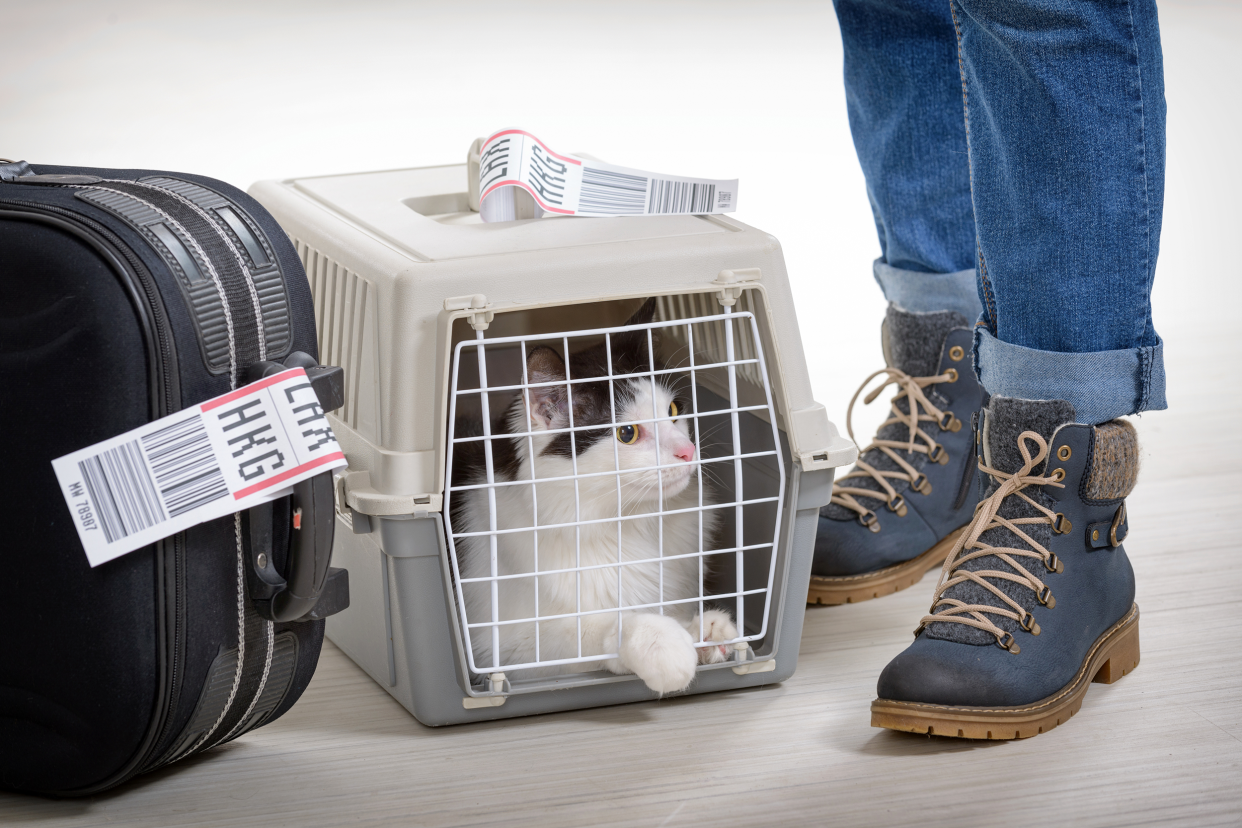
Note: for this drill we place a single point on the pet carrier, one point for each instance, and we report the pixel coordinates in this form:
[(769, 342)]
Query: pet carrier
[(559, 430)]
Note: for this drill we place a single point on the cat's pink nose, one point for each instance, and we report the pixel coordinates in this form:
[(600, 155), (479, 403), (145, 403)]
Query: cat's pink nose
[(685, 452)]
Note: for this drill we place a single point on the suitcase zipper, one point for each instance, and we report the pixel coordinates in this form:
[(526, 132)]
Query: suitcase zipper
[(164, 402)]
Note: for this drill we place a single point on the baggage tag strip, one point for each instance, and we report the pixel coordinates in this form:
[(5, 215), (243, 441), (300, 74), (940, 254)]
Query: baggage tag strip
[(569, 186), (216, 458)]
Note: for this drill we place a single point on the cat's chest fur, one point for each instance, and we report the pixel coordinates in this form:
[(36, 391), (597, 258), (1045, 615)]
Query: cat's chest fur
[(581, 562)]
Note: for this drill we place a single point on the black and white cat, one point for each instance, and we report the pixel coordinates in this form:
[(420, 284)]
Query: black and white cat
[(658, 648)]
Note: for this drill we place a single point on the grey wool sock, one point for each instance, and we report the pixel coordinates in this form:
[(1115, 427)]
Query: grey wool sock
[(1006, 419), (912, 343)]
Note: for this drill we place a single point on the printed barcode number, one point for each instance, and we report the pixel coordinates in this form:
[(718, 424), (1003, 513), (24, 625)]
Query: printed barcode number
[(668, 196), (124, 492)]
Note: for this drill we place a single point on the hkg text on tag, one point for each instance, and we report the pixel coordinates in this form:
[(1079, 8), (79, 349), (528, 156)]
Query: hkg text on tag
[(222, 456)]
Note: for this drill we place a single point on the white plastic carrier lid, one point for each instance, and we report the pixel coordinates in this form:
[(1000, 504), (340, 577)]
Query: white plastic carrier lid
[(426, 213)]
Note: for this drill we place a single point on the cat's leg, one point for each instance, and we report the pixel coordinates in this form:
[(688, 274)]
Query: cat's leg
[(656, 648), (717, 626)]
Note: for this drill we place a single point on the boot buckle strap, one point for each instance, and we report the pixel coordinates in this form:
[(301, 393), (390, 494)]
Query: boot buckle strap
[(1109, 532)]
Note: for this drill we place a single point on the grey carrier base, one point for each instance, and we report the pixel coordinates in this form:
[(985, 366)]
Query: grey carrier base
[(403, 629)]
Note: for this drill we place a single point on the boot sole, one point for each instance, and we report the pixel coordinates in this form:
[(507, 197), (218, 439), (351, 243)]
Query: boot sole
[(1115, 654), (850, 589)]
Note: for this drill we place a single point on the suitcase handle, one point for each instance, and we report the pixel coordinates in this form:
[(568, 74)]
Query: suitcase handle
[(297, 595), (310, 549)]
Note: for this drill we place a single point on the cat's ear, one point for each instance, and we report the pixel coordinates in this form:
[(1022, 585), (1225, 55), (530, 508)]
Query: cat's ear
[(548, 404), (630, 351), (644, 314)]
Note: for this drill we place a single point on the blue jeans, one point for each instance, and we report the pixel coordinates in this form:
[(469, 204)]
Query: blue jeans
[(1039, 211)]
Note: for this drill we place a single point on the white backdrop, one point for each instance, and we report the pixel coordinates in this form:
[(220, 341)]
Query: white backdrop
[(250, 90)]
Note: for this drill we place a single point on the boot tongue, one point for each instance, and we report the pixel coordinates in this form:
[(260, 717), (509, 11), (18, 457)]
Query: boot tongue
[(913, 341), (1008, 417)]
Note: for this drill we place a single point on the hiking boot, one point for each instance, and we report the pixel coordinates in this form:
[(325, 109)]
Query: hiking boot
[(897, 514), (1036, 600)]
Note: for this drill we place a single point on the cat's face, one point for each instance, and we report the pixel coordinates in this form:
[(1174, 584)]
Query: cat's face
[(651, 427), (654, 433)]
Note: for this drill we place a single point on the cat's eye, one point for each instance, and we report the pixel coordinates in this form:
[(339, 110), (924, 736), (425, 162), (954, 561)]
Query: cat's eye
[(673, 411), (627, 435)]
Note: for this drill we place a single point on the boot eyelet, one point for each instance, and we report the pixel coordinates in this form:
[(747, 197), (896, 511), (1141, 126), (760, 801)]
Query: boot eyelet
[(956, 353), (1063, 453), (921, 484), (897, 505), (1061, 525), (950, 423), (938, 455), (952, 373), (1007, 642), (1028, 623), (1053, 564), (1045, 597), (870, 520), (1058, 475)]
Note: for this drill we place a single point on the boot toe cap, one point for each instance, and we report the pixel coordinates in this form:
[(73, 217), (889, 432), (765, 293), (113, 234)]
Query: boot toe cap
[(846, 547), (932, 671)]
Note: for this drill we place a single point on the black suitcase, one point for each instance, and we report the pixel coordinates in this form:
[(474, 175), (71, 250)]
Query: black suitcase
[(126, 295)]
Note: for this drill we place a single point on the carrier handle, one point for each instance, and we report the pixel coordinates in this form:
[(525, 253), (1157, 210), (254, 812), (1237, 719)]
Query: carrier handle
[(310, 589)]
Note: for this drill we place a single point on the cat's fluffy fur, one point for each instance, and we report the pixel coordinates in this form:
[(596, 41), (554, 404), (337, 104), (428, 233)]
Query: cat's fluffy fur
[(660, 649)]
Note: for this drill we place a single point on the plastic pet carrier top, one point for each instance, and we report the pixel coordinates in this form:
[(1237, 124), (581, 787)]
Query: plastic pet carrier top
[(583, 452)]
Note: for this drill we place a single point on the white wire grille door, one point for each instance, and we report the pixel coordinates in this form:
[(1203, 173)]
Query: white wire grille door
[(593, 486)]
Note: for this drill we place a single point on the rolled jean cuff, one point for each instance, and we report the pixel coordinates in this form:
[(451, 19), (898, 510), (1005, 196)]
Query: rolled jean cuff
[(1101, 385), (930, 292)]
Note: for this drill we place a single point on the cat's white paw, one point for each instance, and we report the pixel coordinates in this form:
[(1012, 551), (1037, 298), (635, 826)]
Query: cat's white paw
[(659, 651), (717, 626)]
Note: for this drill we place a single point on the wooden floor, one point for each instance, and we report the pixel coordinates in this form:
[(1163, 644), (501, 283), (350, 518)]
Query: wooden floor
[(1162, 746)]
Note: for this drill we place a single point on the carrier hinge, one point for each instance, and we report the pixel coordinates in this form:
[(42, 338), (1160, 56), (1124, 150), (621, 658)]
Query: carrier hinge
[(745, 663), (497, 682), (481, 318), (733, 282)]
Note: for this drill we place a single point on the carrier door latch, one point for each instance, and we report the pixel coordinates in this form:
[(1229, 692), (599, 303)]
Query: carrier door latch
[(356, 495)]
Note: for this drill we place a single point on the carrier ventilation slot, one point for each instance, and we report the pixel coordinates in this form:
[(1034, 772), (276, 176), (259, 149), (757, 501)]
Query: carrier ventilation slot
[(343, 322), (710, 343)]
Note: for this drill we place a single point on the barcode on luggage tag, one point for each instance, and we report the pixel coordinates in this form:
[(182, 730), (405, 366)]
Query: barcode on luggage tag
[(608, 191), (568, 185), (227, 454), (671, 196), (182, 467)]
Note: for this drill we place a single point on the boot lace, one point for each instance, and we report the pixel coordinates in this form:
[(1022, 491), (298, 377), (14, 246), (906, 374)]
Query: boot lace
[(922, 410), (969, 547)]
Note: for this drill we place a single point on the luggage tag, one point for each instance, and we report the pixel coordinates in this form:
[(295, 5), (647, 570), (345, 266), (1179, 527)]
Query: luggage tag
[(221, 456), (573, 186)]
